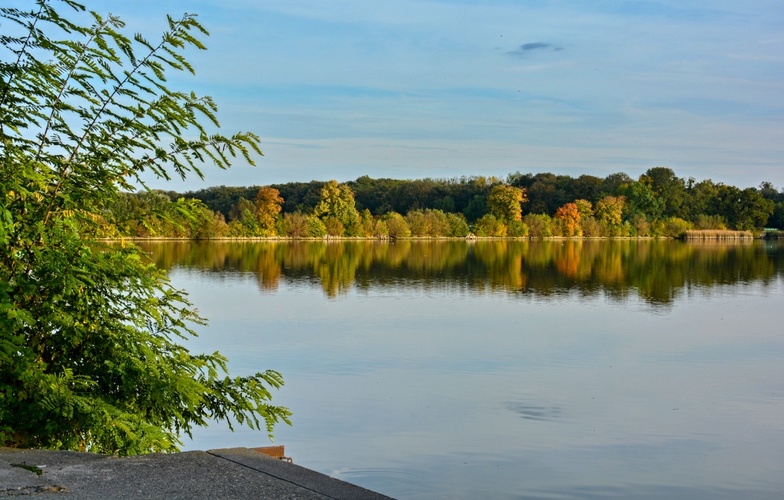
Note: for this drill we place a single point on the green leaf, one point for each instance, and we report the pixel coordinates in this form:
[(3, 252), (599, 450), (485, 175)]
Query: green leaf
[(89, 330)]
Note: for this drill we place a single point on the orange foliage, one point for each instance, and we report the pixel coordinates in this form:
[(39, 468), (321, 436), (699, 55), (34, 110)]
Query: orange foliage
[(268, 205), (570, 216)]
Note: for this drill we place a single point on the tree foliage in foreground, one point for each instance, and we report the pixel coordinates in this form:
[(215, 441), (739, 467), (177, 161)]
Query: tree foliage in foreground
[(90, 357)]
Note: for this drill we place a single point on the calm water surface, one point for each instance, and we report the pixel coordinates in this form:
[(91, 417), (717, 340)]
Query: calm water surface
[(508, 369)]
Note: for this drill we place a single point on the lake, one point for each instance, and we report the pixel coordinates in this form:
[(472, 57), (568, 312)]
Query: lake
[(507, 369)]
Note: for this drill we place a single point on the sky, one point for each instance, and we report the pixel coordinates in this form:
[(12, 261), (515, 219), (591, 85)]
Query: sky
[(412, 89)]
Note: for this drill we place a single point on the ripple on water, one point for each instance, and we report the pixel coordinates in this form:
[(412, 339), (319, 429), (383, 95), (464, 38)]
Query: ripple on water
[(533, 412), (393, 481)]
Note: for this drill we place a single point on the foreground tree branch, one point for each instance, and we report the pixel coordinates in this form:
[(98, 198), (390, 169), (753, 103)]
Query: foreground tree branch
[(90, 357)]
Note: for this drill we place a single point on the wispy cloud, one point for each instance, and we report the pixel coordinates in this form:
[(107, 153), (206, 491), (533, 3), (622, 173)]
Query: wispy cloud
[(531, 47), (492, 86)]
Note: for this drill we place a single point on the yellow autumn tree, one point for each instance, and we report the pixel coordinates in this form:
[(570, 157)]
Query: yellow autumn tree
[(584, 208), (609, 211), (336, 207), (268, 205), (504, 202)]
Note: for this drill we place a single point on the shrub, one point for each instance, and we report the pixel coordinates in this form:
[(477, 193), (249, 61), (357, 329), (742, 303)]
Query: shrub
[(591, 228), (517, 229), (539, 225), (397, 226), (489, 225), (675, 227), (333, 226), (458, 226)]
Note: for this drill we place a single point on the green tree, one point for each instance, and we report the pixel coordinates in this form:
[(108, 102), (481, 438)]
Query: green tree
[(505, 202), (428, 222), (372, 226), (545, 194), (668, 188), (490, 225), (244, 220), (642, 200), (299, 225), (609, 211), (702, 197), (584, 208), (776, 220), (586, 187), (612, 184), (89, 357), (191, 219), (476, 207), (743, 209), (397, 226), (458, 226), (674, 227), (754, 210), (300, 196), (539, 225), (337, 202)]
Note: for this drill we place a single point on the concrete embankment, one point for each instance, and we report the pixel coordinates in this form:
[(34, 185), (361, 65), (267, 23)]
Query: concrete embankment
[(232, 473)]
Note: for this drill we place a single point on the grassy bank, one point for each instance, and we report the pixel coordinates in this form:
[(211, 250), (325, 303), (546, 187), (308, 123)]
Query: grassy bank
[(716, 234)]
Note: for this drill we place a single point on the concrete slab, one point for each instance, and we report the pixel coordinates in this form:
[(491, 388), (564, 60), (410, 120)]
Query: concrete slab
[(235, 473)]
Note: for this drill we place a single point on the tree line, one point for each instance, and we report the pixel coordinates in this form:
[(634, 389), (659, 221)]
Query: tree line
[(656, 204)]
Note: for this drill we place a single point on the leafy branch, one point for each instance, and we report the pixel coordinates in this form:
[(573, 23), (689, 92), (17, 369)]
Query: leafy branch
[(89, 357)]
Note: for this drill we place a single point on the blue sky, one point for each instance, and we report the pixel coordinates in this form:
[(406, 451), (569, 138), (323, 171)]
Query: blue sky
[(444, 88)]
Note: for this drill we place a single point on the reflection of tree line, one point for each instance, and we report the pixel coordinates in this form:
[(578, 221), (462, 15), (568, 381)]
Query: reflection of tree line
[(655, 269)]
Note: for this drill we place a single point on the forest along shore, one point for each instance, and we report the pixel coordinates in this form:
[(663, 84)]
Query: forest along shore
[(657, 204)]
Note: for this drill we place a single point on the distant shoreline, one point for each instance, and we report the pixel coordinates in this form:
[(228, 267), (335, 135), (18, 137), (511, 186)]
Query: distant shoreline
[(689, 235)]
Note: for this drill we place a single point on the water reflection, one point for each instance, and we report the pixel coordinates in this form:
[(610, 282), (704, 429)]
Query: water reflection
[(507, 369), (655, 270)]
